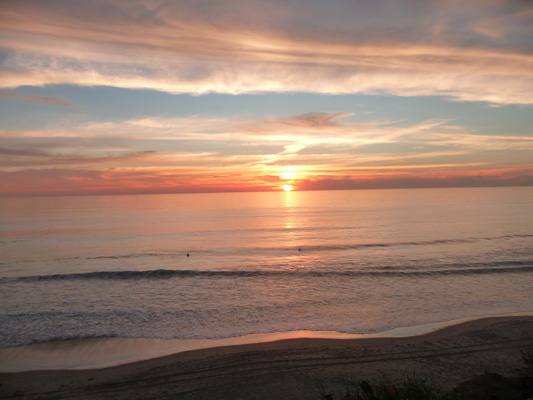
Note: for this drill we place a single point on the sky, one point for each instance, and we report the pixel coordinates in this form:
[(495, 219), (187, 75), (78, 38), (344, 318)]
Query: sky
[(156, 96)]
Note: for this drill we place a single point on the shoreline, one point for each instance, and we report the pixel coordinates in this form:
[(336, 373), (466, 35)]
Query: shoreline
[(290, 368), (97, 353)]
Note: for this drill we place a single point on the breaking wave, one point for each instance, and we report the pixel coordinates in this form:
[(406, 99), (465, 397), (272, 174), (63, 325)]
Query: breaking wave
[(501, 267)]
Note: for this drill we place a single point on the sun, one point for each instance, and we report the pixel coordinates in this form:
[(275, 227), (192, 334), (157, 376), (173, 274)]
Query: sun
[(287, 188)]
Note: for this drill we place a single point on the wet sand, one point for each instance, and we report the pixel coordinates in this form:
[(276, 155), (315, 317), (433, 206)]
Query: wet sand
[(291, 368)]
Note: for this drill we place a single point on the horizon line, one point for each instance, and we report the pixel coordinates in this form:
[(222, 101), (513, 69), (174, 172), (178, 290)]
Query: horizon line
[(11, 196)]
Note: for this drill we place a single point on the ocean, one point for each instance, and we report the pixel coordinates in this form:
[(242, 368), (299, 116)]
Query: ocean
[(208, 266)]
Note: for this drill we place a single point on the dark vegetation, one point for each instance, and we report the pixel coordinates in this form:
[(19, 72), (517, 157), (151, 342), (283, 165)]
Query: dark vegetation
[(408, 389), (484, 387)]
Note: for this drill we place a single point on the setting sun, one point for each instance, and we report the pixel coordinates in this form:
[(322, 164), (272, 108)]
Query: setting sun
[(287, 188)]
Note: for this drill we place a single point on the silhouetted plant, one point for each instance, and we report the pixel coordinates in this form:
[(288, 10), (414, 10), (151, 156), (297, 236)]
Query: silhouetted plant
[(528, 359), (410, 389)]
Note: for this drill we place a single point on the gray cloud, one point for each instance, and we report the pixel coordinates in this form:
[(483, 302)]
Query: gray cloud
[(496, 178), (26, 157), (26, 152)]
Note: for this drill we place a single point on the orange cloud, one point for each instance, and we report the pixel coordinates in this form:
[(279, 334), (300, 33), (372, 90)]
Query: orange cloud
[(307, 151), (140, 180), (125, 181)]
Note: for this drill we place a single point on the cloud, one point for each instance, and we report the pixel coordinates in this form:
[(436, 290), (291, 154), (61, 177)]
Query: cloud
[(53, 101), (60, 181), (22, 152), (27, 157), (471, 50), (519, 176), (336, 138), (317, 122), (309, 151)]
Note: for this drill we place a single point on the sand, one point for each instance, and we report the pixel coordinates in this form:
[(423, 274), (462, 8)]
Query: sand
[(292, 368)]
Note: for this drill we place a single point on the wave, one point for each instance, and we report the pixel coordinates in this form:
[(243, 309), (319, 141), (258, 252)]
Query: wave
[(329, 247), (459, 269), (412, 243), (122, 256)]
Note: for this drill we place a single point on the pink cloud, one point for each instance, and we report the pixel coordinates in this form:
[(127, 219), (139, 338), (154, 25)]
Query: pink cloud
[(53, 101), (467, 53)]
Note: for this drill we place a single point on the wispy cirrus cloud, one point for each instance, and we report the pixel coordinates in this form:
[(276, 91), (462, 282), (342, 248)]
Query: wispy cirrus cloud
[(316, 122), (53, 101), (471, 50), (310, 151), (323, 133), (34, 157)]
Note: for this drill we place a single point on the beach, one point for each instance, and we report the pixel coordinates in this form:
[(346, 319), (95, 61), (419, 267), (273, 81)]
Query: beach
[(294, 368), (262, 295)]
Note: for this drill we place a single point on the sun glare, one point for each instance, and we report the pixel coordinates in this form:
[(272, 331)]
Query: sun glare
[(288, 175), (287, 188)]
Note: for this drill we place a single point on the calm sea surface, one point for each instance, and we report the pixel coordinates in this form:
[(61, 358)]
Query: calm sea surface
[(349, 261)]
